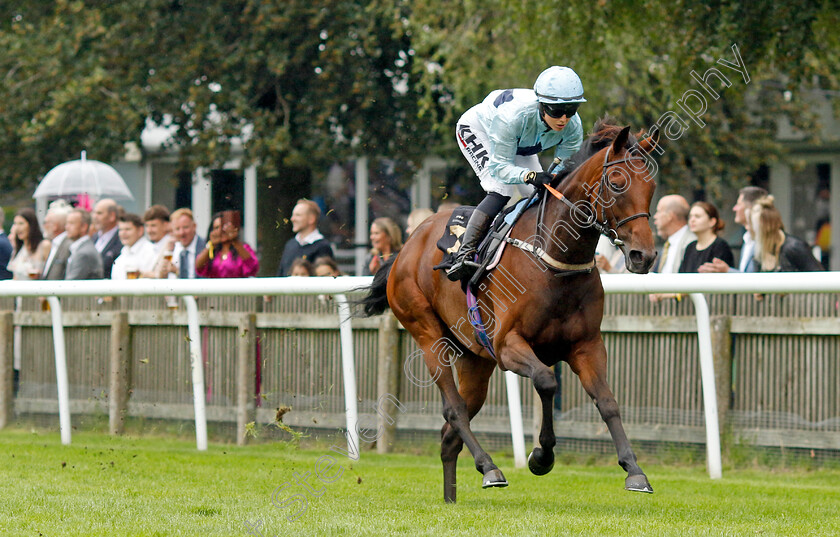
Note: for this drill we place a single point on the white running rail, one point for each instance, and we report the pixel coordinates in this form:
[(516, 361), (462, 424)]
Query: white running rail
[(692, 284)]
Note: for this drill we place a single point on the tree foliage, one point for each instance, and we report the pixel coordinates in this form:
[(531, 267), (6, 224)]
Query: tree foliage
[(636, 59), (301, 82), (308, 82)]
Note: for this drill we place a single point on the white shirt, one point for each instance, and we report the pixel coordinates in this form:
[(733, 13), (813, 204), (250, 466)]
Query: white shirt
[(671, 265), (140, 255), (746, 252), (56, 242), (160, 249), (159, 245), (176, 256), (613, 254), (105, 238), (309, 239)]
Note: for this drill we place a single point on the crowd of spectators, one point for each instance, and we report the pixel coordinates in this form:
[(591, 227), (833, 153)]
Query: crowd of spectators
[(308, 253), (110, 243), (692, 242)]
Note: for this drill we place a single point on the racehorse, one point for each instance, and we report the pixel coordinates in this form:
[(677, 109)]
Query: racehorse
[(547, 308)]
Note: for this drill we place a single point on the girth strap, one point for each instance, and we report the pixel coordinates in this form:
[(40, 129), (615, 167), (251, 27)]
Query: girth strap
[(547, 259)]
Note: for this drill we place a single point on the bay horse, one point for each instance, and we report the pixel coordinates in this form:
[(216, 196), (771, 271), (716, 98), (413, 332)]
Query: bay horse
[(557, 313)]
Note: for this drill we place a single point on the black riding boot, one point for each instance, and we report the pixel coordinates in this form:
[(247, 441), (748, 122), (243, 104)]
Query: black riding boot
[(464, 265)]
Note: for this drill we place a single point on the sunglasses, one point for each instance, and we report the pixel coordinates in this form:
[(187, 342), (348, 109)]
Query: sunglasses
[(558, 110)]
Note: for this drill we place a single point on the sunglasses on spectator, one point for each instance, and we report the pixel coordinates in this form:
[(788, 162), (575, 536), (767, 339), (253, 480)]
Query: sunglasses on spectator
[(558, 110)]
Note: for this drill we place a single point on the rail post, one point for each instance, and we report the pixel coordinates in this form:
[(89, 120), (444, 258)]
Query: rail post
[(120, 376), (387, 381), (722, 354), (245, 376), (7, 370)]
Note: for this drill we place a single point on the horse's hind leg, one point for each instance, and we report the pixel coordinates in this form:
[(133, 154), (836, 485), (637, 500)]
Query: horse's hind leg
[(473, 377), (517, 356), (589, 362), (457, 416), (429, 333)]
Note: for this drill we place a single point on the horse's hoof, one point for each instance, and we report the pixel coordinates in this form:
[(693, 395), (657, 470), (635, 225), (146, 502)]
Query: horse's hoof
[(637, 483), (537, 468), (494, 478)]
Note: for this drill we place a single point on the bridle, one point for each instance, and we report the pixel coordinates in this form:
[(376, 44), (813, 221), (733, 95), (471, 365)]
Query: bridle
[(603, 226), (592, 219)]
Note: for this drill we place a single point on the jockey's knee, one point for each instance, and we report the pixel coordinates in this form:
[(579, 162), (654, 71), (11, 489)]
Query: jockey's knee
[(492, 203)]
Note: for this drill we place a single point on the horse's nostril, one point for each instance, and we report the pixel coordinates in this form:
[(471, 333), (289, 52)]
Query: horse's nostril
[(636, 257)]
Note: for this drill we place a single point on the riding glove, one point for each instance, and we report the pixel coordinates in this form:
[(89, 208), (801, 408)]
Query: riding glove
[(538, 178)]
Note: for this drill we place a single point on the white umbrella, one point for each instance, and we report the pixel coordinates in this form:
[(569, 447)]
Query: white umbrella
[(91, 177)]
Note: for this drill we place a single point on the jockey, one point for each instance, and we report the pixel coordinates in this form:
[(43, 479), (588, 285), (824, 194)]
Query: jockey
[(501, 138)]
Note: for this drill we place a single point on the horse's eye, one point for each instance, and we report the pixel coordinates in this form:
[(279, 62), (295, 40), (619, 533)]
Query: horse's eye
[(618, 183)]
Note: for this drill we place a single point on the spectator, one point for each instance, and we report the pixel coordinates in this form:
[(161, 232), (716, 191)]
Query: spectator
[(704, 221), (138, 253), (385, 241), (822, 228), (30, 253), (225, 255), (447, 206), (156, 222), (671, 221), (5, 250), (187, 244), (326, 266), (775, 250), (85, 262), (415, 218), (822, 241), (746, 197), (608, 258), (301, 267), (55, 223), (30, 248), (308, 243), (105, 215)]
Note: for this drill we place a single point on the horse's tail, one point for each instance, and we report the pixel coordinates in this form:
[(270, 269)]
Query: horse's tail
[(376, 301)]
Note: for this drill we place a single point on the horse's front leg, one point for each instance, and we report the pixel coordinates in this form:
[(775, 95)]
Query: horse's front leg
[(589, 361), (517, 356)]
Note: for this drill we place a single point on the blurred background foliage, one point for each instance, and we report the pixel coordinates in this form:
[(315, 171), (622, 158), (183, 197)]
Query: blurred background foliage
[(306, 83)]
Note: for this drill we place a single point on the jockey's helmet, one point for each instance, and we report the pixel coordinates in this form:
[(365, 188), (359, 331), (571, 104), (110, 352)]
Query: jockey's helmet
[(559, 85)]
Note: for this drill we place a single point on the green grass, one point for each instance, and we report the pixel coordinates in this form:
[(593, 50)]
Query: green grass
[(151, 486)]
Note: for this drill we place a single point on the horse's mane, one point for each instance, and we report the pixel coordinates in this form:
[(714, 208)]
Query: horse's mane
[(603, 133)]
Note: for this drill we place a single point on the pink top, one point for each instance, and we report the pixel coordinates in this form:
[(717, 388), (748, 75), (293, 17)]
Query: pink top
[(231, 265)]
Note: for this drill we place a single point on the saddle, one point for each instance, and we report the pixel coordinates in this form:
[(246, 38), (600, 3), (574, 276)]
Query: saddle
[(491, 247), (488, 255)]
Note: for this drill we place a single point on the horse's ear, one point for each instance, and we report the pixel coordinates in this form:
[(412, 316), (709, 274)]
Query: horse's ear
[(621, 140), (649, 143)]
